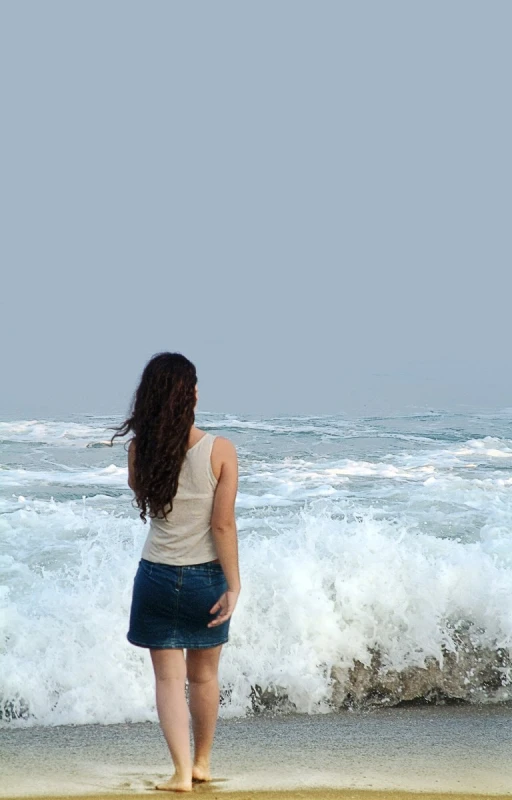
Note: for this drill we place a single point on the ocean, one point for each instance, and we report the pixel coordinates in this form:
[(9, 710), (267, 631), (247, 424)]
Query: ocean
[(375, 557)]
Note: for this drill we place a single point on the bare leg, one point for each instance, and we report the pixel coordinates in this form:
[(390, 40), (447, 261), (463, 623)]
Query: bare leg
[(171, 704), (203, 684)]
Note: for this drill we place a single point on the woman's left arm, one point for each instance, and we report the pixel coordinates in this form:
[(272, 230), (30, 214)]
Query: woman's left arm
[(131, 465)]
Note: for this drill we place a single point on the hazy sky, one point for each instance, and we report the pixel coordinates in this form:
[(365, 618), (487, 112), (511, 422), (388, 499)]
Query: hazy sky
[(311, 200)]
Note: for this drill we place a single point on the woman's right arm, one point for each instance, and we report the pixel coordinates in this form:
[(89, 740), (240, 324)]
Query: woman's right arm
[(223, 525)]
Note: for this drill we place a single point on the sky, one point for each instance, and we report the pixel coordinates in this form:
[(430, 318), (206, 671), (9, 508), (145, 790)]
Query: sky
[(310, 200)]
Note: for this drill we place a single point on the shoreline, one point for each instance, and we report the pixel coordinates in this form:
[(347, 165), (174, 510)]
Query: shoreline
[(395, 752), (297, 794)]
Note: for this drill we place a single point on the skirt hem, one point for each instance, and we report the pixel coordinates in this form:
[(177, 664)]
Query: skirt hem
[(173, 646)]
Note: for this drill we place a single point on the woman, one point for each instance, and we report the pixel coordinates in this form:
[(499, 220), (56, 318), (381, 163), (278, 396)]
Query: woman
[(188, 582)]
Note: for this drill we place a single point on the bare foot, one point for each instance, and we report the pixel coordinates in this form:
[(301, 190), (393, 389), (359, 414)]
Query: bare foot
[(201, 772), (175, 784)]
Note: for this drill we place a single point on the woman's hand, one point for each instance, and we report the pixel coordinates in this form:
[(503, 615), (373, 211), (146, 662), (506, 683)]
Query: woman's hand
[(226, 604)]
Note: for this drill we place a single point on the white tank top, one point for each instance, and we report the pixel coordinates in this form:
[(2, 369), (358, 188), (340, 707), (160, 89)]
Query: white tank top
[(186, 536)]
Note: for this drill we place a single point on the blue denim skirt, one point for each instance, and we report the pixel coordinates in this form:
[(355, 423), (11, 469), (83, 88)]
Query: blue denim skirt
[(171, 605)]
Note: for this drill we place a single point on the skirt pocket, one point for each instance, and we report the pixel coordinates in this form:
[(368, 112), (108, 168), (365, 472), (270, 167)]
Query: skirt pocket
[(199, 595)]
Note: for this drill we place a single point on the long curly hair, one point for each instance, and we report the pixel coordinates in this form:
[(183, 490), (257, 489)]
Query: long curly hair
[(160, 418)]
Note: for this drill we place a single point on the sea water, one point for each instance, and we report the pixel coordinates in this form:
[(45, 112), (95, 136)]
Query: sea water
[(375, 557)]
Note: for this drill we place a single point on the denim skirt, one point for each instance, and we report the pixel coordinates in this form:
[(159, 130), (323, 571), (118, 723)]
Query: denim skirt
[(171, 605)]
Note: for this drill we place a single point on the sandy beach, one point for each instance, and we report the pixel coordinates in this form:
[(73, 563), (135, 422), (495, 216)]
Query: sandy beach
[(308, 794), (461, 750)]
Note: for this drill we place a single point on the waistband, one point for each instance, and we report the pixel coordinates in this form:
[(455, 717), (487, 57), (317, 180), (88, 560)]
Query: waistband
[(205, 566)]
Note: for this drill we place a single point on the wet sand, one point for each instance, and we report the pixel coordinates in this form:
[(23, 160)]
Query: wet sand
[(300, 794), (390, 753)]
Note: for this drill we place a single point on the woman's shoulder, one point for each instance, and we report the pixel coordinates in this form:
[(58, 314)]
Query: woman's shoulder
[(223, 444), (223, 455), (220, 443)]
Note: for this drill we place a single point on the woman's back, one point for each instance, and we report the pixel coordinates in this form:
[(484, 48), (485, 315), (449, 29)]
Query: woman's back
[(186, 537)]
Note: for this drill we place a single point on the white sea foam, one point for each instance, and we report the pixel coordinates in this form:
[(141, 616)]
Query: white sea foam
[(49, 432), (490, 447), (319, 591), (111, 475)]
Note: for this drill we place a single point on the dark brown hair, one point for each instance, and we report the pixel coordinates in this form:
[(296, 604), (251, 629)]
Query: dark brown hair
[(161, 416)]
